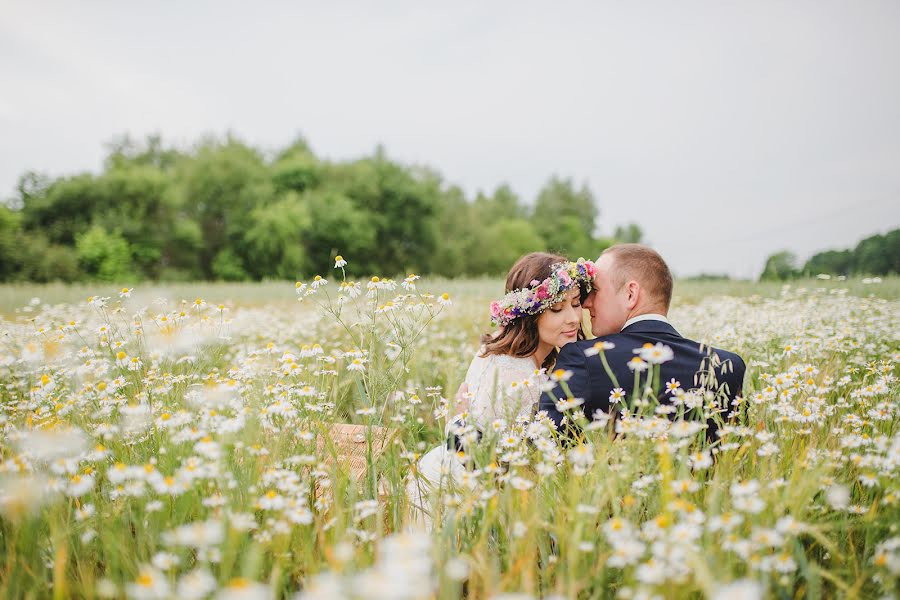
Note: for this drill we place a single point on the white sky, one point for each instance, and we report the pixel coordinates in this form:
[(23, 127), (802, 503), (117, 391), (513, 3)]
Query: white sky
[(727, 130)]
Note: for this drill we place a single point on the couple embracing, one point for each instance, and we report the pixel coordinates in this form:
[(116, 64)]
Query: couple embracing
[(627, 292)]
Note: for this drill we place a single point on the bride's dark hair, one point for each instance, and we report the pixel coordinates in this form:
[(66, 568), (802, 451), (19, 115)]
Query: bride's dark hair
[(520, 337)]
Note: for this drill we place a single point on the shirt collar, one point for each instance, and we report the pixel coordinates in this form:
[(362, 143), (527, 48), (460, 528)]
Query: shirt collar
[(646, 317)]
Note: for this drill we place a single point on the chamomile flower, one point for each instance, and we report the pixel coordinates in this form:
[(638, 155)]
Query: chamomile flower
[(561, 375), (599, 347), (79, 485), (150, 584), (656, 354), (701, 460), (673, 386), (637, 364), (617, 395), (195, 585)]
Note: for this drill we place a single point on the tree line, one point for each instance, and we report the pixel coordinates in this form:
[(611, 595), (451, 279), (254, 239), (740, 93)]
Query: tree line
[(876, 255), (223, 210)]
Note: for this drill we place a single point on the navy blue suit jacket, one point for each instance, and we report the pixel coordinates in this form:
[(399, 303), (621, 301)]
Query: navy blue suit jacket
[(592, 383)]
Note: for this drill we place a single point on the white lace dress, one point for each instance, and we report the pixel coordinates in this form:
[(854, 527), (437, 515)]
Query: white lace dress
[(500, 387)]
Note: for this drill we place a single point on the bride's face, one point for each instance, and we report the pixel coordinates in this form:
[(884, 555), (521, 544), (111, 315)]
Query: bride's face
[(559, 324)]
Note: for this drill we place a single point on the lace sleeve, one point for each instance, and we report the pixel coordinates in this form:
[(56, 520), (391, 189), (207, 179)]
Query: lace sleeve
[(502, 387)]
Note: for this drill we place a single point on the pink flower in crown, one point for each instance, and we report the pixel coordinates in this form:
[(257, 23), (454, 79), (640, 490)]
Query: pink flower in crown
[(590, 269), (564, 277), (542, 292)]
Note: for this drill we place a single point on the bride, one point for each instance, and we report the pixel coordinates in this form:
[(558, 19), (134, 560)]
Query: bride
[(540, 312)]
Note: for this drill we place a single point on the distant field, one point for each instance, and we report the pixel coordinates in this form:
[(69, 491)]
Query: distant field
[(16, 296)]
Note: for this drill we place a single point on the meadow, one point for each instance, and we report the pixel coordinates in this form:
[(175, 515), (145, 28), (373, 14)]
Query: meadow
[(178, 441)]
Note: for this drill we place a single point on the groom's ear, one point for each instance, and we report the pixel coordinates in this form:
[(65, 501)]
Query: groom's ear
[(633, 288)]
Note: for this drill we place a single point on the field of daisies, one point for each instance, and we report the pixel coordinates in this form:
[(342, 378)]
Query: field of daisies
[(183, 444)]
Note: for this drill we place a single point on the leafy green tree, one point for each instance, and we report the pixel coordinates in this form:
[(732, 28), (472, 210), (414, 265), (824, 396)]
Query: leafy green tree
[(130, 198), (274, 239), (219, 187), (462, 226), (229, 266), (30, 185), (124, 151), (892, 249), (835, 262), (505, 242), (58, 263), (402, 207), (104, 255), (142, 203), (138, 204), (28, 256), (558, 200), (296, 168), (780, 266), (10, 259), (43, 262), (875, 255), (504, 204), (568, 238), (628, 234), (871, 256), (337, 226), (180, 260), (65, 209)]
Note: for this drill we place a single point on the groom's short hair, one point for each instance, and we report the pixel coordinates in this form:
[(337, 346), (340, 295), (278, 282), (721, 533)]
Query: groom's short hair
[(644, 265)]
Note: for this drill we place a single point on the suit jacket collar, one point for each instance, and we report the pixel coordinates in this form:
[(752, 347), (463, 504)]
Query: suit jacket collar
[(651, 326)]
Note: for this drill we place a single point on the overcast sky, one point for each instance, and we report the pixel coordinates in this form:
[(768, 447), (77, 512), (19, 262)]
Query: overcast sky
[(727, 130)]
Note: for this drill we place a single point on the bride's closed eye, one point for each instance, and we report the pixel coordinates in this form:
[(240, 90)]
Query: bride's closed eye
[(558, 307)]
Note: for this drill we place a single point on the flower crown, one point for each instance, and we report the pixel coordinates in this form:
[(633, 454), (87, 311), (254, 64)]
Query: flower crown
[(542, 294)]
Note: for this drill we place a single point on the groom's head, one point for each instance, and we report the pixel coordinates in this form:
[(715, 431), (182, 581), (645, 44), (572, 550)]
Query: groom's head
[(631, 280)]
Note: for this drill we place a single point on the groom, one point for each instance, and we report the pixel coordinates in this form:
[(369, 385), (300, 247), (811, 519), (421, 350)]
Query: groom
[(628, 306)]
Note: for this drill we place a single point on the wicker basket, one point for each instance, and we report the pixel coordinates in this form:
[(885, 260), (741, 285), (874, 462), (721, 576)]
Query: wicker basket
[(349, 444)]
